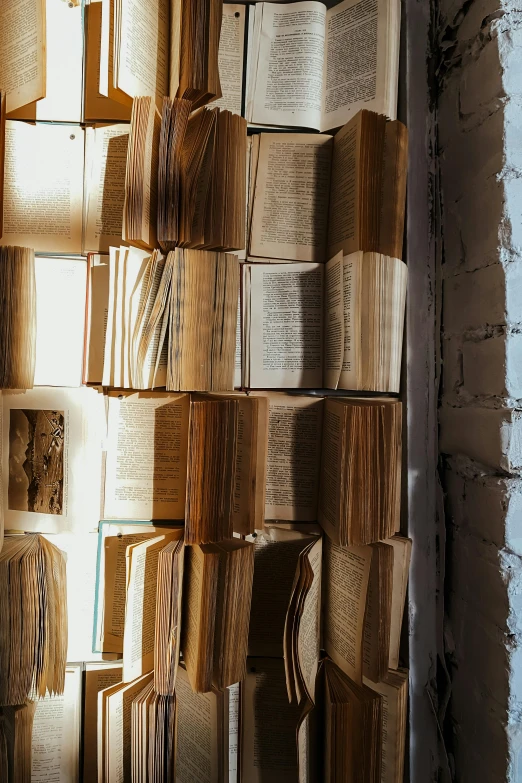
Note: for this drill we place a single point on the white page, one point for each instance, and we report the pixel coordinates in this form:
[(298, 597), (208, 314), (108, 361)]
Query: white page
[(288, 82), (63, 66), (61, 290), (43, 187), (286, 326), (54, 436), (56, 733), (231, 57)]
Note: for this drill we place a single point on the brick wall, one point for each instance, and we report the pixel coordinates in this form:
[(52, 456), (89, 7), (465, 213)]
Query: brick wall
[(480, 145)]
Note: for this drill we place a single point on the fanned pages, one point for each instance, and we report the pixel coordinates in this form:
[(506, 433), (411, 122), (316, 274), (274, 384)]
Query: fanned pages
[(217, 598), (168, 617), (2, 156), (360, 470), (17, 318), (153, 727), (141, 179), (393, 690), (198, 62), (33, 609), (16, 729), (174, 120), (353, 729)]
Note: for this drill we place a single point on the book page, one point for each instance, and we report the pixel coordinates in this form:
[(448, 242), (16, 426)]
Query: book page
[(146, 463), (197, 752), (393, 690), (290, 210), (234, 718), (97, 678), (347, 573), (269, 725), (118, 730), (106, 161), (357, 61), (61, 291), (43, 192), (56, 733), (344, 209), (80, 551), (276, 554), (140, 605), (288, 79), (350, 376), (294, 453), (22, 51), (331, 461), (333, 321), (286, 326), (112, 584), (309, 633), (96, 319), (144, 49), (401, 566), (231, 58), (63, 66), (97, 107), (238, 356), (57, 486)]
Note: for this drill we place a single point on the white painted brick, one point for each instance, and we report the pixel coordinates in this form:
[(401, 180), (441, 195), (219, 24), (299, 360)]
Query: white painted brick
[(484, 366), (514, 365), (489, 436), (473, 299), (512, 224), (513, 275)]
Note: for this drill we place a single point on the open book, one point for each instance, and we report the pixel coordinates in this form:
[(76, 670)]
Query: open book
[(364, 598), (33, 643), (218, 590), (226, 466), (17, 318), (339, 60), (153, 727), (16, 730), (160, 49), (2, 157), (96, 316), (186, 177), (112, 586), (338, 325), (22, 43), (97, 677), (314, 195), (393, 690), (171, 321)]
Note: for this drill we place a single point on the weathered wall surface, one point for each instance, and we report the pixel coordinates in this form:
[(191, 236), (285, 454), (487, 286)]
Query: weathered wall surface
[(480, 144)]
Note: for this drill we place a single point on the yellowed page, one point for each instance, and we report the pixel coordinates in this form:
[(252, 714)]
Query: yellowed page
[(331, 461), (146, 463), (269, 725), (63, 66), (98, 676), (333, 321), (97, 107), (56, 733), (105, 165), (350, 376), (140, 605), (43, 187), (96, 320), (401, 565), (290, 210), (393, 690), (144, 49), (344, 217), (286, 326), (197, 751), (22, 51), (347, 572), (231, 57), (118, 717), (350, 26), (294, 453), (288, 76), (309, 634)]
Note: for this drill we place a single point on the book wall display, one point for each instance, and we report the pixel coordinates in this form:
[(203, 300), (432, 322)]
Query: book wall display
[(204, 573)]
